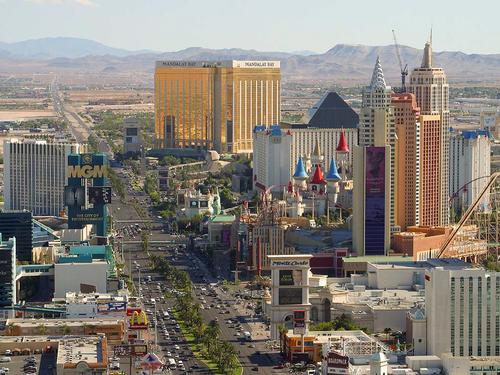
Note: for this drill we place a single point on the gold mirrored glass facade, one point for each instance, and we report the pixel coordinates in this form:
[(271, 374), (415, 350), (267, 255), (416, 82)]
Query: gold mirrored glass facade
[(215, 105)]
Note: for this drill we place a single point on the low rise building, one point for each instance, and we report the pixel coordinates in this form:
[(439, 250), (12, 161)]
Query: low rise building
[(74, 355), (112, 328), (94, 305)]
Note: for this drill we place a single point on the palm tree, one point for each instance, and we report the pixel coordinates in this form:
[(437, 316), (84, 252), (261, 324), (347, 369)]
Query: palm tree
[(10, 328), (65, 330), (42, 330), (282, 330)]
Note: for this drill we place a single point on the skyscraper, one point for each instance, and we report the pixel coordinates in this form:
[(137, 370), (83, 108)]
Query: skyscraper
[(374, 169), (406, 114), (35, 174), (431, 90), (18, 224), (215, 105), (469, 165)]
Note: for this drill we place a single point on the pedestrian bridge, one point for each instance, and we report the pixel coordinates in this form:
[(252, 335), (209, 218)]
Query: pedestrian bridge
[(34, 270)]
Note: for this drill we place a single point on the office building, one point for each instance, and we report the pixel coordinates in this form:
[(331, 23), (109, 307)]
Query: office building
[(462, 312), (35, 173), (406, 115), (469, 167), (489, 120), (214, 105), (431, 90), (131, 136), (7, 272), (374, 170), (18, 224)]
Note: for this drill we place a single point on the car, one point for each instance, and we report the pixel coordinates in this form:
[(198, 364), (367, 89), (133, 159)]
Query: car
[(115, 366), (5, 359), (255, 369), (4, 369), (279, 367), (177, 347)]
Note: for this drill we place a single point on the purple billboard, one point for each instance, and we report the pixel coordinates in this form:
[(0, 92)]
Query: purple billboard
[(374, 200)]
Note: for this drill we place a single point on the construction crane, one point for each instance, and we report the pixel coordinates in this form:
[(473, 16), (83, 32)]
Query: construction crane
[(404, 71)]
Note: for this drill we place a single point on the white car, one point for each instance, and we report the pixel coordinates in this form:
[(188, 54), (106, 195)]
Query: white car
[(115, 366), (5, 359)]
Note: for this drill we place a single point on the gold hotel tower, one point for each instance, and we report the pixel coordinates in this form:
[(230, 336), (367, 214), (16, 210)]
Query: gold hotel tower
[(215, 105)]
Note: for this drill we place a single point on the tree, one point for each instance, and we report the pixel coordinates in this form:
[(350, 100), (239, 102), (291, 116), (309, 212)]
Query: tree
[(282, 331), (144, 242), (65, 330), (11, 327), (42, 329)]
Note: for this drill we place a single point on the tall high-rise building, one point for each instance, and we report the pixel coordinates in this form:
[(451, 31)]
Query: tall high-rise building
[(431, 90), (430, 170), (374, 170), (18, 224), (406, 114), (462, 309), (215, 105), (35, 173), (469, 166), (7, 272)]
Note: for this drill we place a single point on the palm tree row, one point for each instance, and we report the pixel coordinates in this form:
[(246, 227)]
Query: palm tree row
[(207, 335)]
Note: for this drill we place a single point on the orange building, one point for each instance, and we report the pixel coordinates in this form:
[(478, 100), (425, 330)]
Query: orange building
[(406, 116), (430, 170), (420, 242)]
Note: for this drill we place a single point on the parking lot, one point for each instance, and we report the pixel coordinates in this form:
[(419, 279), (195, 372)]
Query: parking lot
[(43, 364)]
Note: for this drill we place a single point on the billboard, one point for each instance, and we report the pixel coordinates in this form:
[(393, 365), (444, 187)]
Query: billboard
[(290, 296), (290, 277), (74, 196), (375, 191), (337, 363), (99, 195), (111, 307)]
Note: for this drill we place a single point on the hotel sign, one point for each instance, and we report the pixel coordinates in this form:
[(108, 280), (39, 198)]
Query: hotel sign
[(290, 263), (256, 64), (337, 362), (87, 171)]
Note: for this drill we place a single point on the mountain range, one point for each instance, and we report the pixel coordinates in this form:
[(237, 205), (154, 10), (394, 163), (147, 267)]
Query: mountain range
[(343, 62)]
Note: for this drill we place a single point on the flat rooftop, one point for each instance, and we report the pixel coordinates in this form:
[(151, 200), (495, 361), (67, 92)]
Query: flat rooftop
[(27, 323)]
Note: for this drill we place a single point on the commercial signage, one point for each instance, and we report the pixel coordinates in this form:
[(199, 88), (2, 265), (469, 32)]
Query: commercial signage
[(139, 321), (87, 171), (290, 277), (74, 196), (100, 195), (131, 310), (375, 191), (290, 263), (111, 307), (290, 296), (337, 363), (256, 64), (138, 350), (299, 322), (87, 216)]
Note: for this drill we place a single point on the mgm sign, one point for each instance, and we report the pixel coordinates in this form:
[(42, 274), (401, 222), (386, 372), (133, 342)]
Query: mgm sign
[(88, 192)]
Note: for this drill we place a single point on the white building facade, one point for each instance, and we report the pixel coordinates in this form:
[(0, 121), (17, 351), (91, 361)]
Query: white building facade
[(276, 151), (462, 312), (35, 173), (469, 166)]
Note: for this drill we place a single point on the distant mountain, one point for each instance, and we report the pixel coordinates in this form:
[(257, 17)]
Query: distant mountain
[(49, 48), (342, 63)]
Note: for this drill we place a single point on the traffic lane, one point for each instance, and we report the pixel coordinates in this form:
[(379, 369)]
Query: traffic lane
[(175, 338)]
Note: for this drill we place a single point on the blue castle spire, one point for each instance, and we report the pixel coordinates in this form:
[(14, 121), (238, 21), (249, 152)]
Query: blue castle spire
[(300, 171), (333, 173)]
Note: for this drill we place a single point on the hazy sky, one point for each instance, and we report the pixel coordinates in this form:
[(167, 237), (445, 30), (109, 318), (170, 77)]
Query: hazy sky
[(284, 25)]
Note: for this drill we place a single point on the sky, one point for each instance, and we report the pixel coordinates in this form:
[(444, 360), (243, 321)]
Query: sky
[(266, 25)]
